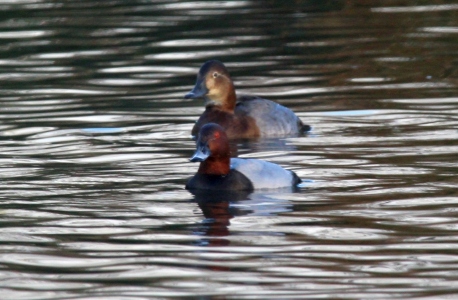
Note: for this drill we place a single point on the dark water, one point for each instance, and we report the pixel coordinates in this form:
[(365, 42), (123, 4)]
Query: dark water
[(95, 141)]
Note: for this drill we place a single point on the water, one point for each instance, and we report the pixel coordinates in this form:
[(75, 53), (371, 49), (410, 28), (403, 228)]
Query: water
[(95, 141)]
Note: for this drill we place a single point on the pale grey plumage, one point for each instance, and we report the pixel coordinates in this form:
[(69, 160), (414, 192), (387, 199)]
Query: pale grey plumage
[(272, 118), (264, 174)]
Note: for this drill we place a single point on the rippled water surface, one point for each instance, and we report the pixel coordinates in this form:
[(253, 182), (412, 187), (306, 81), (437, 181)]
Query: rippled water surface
[(95, 140)]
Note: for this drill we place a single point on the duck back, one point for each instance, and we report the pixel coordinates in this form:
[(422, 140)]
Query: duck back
[(272, 119), (264, 174)]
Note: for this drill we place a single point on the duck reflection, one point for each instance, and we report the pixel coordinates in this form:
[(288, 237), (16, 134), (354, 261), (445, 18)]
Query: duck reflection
[(219, 207), (217, 210), (240, 146)]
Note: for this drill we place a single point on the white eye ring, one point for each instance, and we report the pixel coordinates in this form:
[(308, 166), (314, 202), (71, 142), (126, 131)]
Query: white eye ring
[(215, 75)]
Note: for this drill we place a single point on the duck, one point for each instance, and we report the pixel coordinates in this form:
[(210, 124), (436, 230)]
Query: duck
[(219, 172), (242, 117)]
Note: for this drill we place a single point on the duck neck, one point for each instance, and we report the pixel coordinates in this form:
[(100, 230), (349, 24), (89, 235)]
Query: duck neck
[(230, 101), (215, 166), (226, 99)]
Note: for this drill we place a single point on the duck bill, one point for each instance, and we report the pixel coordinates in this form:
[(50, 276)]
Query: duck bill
[(199, 91), (201, 154)]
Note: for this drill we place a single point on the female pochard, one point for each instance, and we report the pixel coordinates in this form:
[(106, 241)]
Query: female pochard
[(243, 117)]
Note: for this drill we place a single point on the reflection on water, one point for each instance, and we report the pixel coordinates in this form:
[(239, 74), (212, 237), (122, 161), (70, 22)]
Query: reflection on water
[(95, 140), (219, 208)]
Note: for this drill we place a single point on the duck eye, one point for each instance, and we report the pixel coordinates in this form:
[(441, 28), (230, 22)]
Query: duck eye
[(215, 75)]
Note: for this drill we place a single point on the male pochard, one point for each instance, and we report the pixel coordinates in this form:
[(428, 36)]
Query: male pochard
[(243, 117), (218, 171)]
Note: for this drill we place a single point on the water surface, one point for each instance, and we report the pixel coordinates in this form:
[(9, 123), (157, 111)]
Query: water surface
[(95, 140)]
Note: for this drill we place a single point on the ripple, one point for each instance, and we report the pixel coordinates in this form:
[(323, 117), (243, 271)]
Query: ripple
[(420, 8), (194, 42), (118, 158), (203, 54), (63, 55), (48, 261), (148, 69), (440, 29), (123, 82), (24, 62), (25, 131), (65, 91), (204, 5), (24, 34)]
